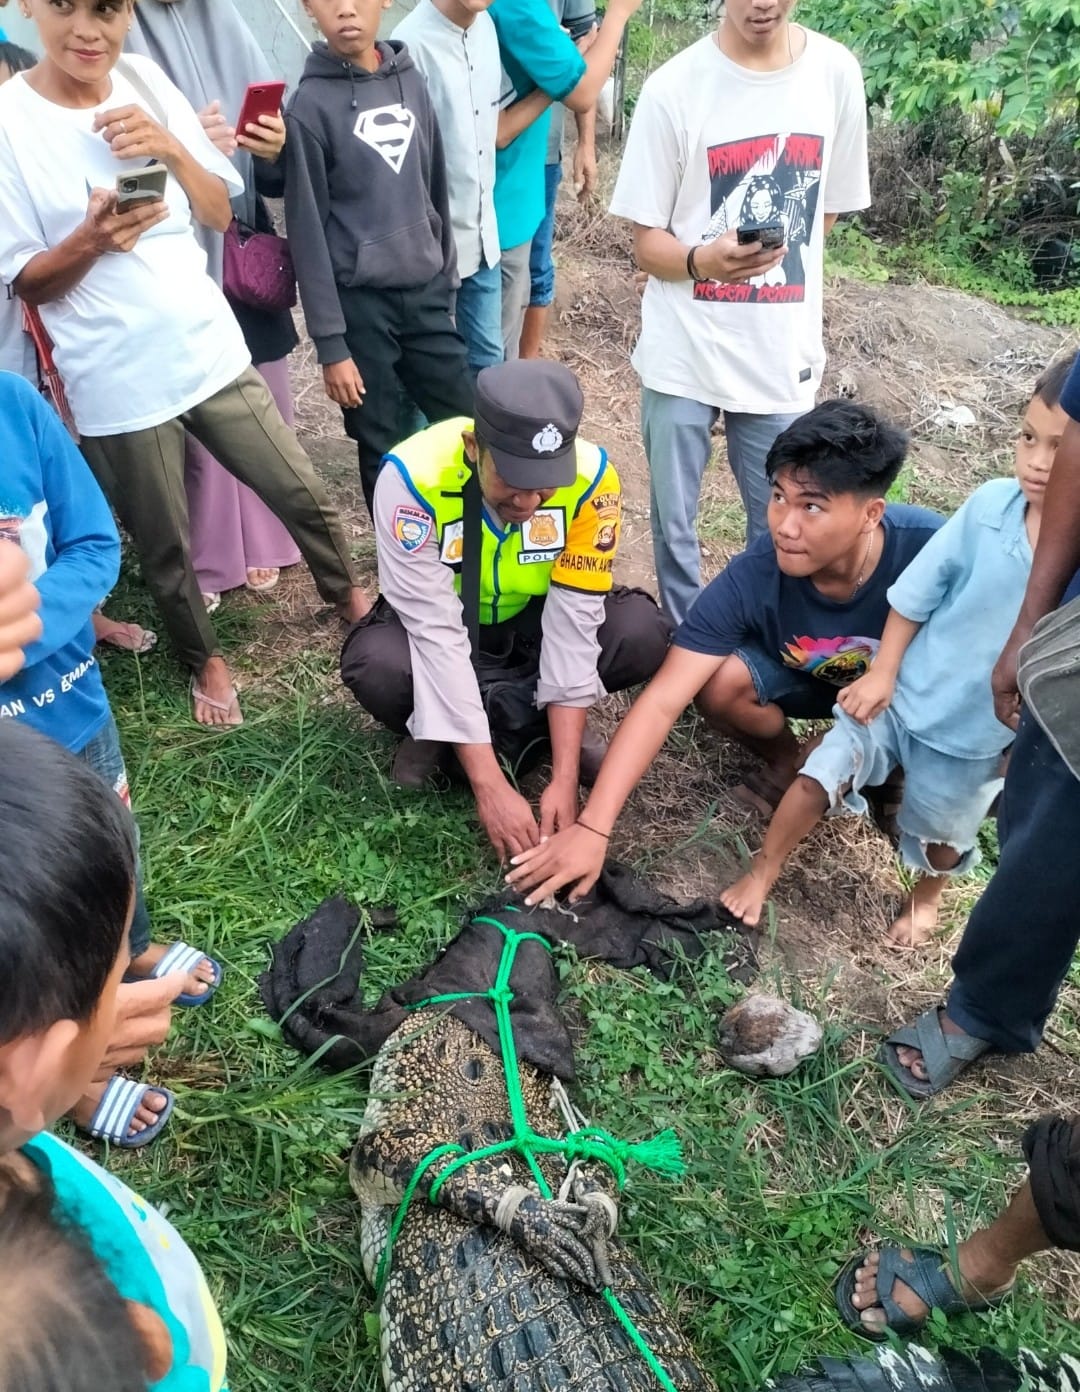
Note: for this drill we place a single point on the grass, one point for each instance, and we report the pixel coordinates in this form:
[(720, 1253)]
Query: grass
[(245, 833)]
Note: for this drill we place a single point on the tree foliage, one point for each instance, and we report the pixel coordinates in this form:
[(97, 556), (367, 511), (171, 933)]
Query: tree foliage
[(1015, 63)]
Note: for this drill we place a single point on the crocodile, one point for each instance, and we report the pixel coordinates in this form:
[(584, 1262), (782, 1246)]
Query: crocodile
[(491, 1287)]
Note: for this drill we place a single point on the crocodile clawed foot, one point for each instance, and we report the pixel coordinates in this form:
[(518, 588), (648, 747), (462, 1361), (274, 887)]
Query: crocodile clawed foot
[(565, 1238), (598, 1224)]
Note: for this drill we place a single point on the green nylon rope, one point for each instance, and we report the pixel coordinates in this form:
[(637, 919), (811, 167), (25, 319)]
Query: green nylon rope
[(662, 1153)]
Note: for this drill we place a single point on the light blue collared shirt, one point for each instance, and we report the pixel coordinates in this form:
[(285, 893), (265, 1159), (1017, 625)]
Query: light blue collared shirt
[(965, 587)]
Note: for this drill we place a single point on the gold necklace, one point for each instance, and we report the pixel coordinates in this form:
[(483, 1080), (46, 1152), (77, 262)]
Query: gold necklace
[(862, 569)]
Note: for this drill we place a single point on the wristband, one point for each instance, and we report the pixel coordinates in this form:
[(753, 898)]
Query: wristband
[(605, 834), (691, 269)]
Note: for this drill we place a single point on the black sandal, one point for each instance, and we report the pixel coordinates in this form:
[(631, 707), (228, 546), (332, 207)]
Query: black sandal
[(926, 1272), (945, 1055)]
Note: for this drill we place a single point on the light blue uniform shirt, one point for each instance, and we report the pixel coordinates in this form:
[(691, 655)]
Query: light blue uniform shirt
[(965, 587)]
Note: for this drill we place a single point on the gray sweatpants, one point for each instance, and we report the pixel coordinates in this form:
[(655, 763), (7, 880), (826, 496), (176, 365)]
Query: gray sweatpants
[(678, 444)]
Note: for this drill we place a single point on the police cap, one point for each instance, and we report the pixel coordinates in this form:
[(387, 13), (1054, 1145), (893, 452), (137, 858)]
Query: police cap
[(527, 414)]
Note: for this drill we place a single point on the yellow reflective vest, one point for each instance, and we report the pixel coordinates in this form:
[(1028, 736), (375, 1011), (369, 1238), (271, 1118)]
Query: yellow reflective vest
[(571, 540)]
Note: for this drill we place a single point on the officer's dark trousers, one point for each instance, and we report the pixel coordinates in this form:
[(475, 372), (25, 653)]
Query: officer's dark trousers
[(402, 339), (1022, 934), (376, 665)]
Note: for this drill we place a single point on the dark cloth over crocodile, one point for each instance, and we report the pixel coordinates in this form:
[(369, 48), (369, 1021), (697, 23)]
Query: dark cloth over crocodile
[(313, 985), (914, 1370), (1052, 1148)]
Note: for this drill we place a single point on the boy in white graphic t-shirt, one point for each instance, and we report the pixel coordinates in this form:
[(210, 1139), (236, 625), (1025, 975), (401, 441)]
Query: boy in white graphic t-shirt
[(761, 125)]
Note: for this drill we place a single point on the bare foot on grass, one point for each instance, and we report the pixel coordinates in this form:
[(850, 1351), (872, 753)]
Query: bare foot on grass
[(745, 899), (917, 921), (982, 1276)]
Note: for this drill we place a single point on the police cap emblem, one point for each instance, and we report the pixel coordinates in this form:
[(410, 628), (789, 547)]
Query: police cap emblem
[(548, 440)]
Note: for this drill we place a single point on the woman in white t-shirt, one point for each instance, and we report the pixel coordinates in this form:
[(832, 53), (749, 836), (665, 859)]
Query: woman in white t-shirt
[(144, 339)]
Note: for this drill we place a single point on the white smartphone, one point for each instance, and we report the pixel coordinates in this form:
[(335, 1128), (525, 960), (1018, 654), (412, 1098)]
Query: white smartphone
[(143, 186)]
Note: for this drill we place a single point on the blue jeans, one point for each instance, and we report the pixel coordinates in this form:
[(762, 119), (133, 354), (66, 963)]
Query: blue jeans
[(104, 756), (678, 444), (479, 317), (541, 265)]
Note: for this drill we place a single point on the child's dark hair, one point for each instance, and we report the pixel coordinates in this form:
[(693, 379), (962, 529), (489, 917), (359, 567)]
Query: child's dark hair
[(15, 58), (1052, 381), (67, 872), (843, 447), (64, 1327)]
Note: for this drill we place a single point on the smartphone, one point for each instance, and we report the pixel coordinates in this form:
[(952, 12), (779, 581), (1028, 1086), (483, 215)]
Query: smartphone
[(769, 234), (260, 99), (142, 186)]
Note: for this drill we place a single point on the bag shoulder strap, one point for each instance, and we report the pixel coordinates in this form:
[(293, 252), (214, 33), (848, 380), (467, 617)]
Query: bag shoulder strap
[(127, 70)]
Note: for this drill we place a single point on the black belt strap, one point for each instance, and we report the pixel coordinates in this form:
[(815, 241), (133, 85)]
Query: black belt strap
[(471, 548)]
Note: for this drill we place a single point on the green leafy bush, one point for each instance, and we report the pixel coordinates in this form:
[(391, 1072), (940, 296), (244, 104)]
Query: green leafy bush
[(1016, 63)]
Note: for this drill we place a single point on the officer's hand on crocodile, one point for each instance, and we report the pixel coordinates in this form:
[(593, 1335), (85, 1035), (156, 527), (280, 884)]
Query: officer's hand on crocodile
[(506, 817), (558, 807), (572, 857)]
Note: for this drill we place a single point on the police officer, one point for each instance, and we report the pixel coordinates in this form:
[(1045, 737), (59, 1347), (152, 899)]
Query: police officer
[(555, 634)]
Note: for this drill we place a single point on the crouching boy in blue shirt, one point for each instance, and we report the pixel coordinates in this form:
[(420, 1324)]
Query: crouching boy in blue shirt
[(925, 704)]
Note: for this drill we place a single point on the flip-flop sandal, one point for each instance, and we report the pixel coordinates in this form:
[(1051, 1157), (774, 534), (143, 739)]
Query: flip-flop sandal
[(264, 585), (145, 643), (925, 1273), (180, 957), (945, 1055), (212, 601), (119, 1103), (227, 707)]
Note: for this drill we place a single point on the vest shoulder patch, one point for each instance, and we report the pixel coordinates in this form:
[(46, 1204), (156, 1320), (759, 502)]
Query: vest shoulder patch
[(411, 526)]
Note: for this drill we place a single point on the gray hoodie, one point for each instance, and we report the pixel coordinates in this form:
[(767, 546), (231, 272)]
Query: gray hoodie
[(366, 199)]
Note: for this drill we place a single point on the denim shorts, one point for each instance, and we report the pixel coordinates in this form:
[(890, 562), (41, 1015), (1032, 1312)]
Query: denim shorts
[(945, 798), (799, 696)]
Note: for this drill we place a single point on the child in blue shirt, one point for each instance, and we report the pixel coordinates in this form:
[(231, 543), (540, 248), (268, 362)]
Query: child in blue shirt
[(67, 866), (925, 704), (52, 508)]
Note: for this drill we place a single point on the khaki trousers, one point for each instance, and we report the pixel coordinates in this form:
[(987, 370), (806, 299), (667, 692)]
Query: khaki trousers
[(142, 474)]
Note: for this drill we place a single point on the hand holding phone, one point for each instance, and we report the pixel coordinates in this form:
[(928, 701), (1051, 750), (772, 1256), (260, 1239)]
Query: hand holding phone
[(769, 234), (110, 226), (146, 185), (260, 99)]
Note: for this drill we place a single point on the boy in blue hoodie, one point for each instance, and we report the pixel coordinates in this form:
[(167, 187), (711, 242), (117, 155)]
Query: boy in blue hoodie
[(52, 508), (368, 213)]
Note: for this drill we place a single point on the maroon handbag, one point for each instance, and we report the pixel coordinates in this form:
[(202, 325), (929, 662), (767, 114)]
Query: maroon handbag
[(257, 269)]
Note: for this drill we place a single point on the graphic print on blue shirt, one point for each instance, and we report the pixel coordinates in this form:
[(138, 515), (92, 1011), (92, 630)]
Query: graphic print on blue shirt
[(51, 507), (836, 660), (769, 178), (753, 602)]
